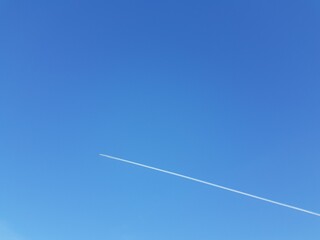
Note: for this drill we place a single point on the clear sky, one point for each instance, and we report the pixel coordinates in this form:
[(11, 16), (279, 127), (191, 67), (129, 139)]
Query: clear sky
[(224, 91)]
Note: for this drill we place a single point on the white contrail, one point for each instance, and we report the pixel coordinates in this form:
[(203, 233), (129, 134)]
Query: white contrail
[(212, 184)]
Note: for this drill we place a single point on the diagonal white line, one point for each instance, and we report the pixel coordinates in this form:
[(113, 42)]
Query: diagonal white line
[(212, 184)]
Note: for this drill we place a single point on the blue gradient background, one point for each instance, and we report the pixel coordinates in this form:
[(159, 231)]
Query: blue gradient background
[(224, 91)]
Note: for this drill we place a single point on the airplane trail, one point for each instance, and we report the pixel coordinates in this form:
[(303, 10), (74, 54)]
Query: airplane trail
[(212, 184)]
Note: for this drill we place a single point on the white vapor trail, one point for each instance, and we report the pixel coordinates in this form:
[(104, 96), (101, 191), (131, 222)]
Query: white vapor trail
[(212, 184)]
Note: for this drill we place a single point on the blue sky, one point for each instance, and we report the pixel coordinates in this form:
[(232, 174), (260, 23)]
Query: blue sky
[(224, 91)]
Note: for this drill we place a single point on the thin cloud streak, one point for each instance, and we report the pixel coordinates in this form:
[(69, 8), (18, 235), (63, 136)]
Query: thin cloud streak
[(213, 185)]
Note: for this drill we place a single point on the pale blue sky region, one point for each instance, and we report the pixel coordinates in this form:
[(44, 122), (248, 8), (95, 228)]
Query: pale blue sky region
[(223, 91)]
